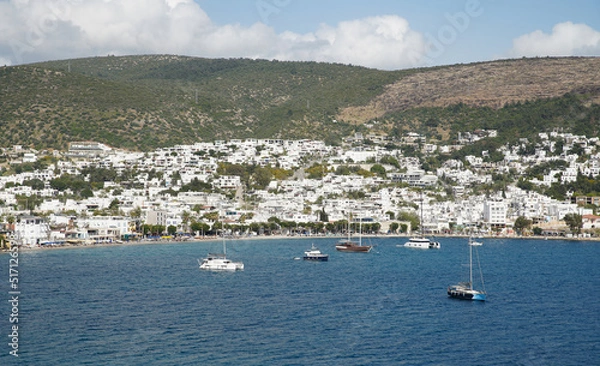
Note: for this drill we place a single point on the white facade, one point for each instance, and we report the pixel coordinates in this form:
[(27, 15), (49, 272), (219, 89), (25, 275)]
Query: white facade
[(30, 230), (119, 224), (494, 213)]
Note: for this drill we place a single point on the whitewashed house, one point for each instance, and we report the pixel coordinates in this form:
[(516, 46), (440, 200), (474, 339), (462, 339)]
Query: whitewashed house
[(30, 230)]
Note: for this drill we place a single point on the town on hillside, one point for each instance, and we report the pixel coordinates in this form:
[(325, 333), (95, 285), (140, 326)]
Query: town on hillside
[(94, 194)]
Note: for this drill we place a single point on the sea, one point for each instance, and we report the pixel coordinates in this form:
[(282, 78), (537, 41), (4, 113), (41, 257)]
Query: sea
[(152, 305)]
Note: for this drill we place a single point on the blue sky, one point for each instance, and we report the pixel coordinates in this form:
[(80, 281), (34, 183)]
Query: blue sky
[(385, 34)]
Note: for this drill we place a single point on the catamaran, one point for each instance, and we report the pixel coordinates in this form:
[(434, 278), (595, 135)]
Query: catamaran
[(420, 241), (465, 290), (219, 262)]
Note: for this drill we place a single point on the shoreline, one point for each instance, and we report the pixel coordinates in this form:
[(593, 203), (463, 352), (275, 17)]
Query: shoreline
[(279, 237)]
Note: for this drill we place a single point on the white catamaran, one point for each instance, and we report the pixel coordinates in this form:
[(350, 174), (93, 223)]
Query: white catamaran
[(219, 262), (420, 241)]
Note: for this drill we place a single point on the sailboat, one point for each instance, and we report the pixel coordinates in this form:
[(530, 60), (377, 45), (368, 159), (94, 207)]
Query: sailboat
[(219, 262), (465, 290), (420, 241), (348, 245)]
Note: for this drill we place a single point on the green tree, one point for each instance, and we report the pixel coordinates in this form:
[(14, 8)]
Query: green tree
[(410, 217), (195, 185), (574, 222), (262, 177), (136, 213), (323, 216), (113, 207), (378, 169), (86, 193), (34, 183), (342, 170), (522, 223), (200, 227), (390, 160), (185, 220), (403, 228), (316, 171), (158, 229)]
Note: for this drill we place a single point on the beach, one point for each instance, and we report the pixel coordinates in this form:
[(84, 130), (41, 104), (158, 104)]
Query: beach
[(277, 237)]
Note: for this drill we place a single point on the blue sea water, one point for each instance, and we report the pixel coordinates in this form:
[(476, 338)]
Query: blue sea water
[(151, 305)]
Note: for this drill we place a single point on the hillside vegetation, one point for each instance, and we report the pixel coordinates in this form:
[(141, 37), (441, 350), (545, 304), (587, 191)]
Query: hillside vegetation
[(145, 102)]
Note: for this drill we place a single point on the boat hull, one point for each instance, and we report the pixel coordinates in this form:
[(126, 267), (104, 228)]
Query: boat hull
[(322, 258), (314, 254), (422, 243), (462, 293), (220, 264), (353, 248)]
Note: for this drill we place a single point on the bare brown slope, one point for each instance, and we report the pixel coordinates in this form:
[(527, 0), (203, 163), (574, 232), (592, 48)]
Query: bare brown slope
[(491, 84)]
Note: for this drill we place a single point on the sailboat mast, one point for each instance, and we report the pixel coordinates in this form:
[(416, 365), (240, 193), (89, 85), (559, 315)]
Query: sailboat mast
[(470, 265), (223, 231), (360, 232), (422, 228), (224, 245), (349, 226)]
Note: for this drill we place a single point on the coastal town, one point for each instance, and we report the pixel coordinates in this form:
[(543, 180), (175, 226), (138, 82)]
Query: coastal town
[(293, 187)]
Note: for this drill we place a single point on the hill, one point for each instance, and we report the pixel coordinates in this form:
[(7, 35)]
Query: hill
[(145, 102), (489, 84)]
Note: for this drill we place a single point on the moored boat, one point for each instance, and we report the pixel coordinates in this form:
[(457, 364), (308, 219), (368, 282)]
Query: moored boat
[(314, 254), (350, 246), (465, 290), (219, 262), (422, 243)]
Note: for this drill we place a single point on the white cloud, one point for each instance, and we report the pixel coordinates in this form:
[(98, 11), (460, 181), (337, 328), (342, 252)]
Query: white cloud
[(385, 42), (35, 30), (566, 39)]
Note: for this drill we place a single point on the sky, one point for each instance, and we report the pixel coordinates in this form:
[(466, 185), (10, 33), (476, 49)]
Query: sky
[(382, 34)]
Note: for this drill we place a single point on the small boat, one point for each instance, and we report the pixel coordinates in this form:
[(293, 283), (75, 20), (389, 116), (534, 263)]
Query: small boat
[(465, 290), (474, 243), (314, 254), (422, 243)]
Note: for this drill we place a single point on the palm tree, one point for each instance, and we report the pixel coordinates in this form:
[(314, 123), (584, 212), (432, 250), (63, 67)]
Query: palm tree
[(185, 220)]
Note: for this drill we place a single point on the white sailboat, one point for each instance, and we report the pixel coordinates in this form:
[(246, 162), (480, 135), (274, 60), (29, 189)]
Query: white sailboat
[(219, 262), (465, 290)]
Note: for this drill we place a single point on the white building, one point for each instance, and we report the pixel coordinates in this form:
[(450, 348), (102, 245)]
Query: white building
[(30, 230), (494, 213), (157, 217)]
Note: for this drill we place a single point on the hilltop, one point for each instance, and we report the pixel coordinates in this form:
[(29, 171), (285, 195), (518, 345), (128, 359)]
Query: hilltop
[(145, 102), (488, 84)]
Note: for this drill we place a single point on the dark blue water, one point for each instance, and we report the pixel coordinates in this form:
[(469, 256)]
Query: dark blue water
[(151, 305)]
